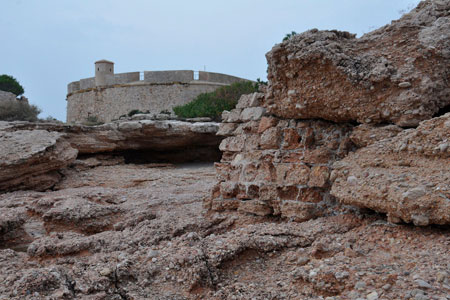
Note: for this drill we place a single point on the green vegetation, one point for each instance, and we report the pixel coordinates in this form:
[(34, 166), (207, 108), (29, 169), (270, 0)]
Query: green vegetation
[(213, 104), (92, 121), (289, 36), (135, 112), (18, 110), (10, 84)]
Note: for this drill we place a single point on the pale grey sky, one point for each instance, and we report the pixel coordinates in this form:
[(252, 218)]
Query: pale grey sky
[(48, 43)]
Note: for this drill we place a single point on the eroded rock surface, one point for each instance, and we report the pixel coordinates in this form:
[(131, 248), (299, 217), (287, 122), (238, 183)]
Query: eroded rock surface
[(29, 159), (32, 155), (406, 176), (129, 135), (396, 74), (144, 236)]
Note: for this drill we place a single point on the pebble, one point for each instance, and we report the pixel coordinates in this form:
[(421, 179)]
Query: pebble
[(341, 275), (404, 84), (372, 296), (105, 271), (386, 287), (152, 253), (303, 260), (423, 284), (421, 297), (352, 180), (441, 276), (443, 147), (360, 285)]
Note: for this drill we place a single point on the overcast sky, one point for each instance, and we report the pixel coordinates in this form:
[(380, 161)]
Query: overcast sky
[(46, 44)]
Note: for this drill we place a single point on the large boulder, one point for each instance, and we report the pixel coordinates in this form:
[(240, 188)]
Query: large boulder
[(31, 159), (406, 176), (396, 74)]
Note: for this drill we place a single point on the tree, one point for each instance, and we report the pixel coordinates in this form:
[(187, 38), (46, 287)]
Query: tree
[(10, 84)]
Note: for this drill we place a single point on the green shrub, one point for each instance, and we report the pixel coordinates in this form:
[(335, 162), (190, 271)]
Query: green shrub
[(92, 121), (10, 84), (213, 104), (16, 110), (289, 36), (134, 112)]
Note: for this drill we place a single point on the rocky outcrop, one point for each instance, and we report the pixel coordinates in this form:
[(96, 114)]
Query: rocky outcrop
[(32, 153), (281, 156), (396, 74), (29, 159), (161, 135), (406, 176)]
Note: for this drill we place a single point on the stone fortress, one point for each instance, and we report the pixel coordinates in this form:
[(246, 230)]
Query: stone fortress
[(107, 96)]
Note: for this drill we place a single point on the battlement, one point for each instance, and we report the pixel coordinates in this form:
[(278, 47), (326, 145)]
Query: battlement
[(154, 77)]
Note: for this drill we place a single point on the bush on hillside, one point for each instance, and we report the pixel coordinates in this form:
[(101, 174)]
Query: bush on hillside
[(16, 110), (10, 84), (213, 104)]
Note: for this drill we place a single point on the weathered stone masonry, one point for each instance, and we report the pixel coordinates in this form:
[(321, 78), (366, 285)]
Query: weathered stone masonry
[(275, 166), (108, 95)]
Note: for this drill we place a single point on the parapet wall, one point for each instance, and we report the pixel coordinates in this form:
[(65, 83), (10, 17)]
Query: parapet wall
[(178, 76)]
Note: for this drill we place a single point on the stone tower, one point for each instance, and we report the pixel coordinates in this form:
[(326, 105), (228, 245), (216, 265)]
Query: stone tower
[(104, 72)]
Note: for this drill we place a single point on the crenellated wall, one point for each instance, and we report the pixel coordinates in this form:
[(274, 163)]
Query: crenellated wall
[(157, 91)]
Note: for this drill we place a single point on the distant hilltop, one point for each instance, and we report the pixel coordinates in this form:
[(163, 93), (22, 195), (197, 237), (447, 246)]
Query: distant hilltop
[(107, 96)]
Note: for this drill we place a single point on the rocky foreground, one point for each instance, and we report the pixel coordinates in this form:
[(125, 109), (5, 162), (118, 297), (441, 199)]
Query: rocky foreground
[(138, 232)]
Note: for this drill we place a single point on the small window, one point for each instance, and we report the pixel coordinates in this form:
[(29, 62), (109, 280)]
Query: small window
[(110, 70), (98, 69)]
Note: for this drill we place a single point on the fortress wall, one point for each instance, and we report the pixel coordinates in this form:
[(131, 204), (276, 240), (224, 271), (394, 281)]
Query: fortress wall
[(218, 77), (87, 83), (112, 102), (73, 87), (126, 77), (183, 76)]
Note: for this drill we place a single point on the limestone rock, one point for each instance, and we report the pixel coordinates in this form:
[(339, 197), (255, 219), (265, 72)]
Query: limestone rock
[(405, 176), (250, 100), (396, 74), (128, 135), (364, 135), (29, 159), (7, 96)]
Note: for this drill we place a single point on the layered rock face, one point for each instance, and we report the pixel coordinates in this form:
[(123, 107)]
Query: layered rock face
[(396, 74), (32, 154), (30, 159), (406, 176), (282, 158)]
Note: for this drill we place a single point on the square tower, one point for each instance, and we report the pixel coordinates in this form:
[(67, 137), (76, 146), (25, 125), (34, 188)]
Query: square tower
[(104, 72)]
